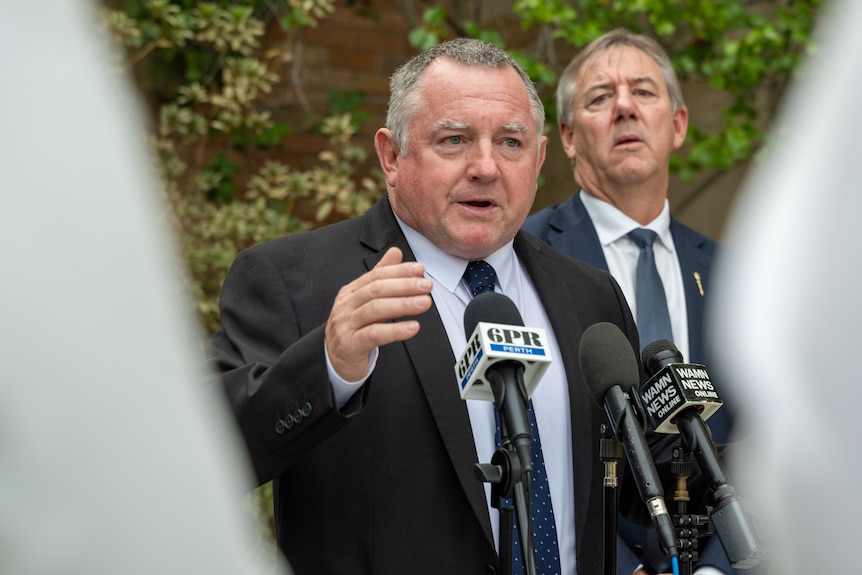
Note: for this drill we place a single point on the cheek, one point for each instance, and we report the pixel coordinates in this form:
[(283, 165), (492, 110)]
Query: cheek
[(585, 140), (585, 150), (520, 200)]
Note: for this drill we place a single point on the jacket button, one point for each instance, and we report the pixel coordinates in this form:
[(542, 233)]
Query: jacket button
[(288, 422), (297, 416), (279, 427), (306, 409), (489, 570)]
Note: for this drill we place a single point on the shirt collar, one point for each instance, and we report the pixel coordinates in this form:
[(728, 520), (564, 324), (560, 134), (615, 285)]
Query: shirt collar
[(612, 224), (448, 270)]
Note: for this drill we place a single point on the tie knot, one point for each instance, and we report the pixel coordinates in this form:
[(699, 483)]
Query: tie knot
[(480, 276), (643, 237)]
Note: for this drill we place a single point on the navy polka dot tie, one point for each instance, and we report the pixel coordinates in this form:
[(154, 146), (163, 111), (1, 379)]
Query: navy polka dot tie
[(482, 278), (653, 318)]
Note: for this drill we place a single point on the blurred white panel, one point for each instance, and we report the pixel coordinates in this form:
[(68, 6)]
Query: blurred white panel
[(114, 459), (788, 313)]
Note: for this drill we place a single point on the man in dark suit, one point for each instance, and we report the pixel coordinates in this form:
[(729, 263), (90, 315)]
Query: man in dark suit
[(338, 347), (620, 114), (568, 227)]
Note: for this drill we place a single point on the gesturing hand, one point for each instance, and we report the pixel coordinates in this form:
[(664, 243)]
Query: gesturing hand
[(359, 321)]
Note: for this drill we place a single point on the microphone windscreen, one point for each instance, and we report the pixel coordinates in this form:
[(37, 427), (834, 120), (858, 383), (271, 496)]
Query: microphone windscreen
[(607, 359), (490, 307), (658, 354), (655, 347)]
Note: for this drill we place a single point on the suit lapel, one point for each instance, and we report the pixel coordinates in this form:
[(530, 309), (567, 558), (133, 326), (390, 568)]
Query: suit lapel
[(431, 356), (694, 265), (572, 232)]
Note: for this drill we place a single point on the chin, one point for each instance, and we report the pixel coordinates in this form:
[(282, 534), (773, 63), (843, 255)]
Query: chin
[(475, 250), (635, 169)]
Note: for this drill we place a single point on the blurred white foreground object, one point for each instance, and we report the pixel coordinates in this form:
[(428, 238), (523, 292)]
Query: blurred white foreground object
[(788, 312), (113, 458)]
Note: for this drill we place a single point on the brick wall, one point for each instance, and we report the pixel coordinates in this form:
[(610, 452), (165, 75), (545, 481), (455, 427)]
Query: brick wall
[(346, 53)]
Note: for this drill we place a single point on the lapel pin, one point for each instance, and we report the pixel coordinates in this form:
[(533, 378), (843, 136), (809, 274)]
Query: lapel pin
[(699, 284)]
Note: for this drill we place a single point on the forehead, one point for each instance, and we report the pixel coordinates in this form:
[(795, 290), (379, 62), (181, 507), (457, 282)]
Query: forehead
[(474, 95), (618, 64), (447, 77)]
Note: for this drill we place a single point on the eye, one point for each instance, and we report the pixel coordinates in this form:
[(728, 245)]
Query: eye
[(511, 143), (454, 140), (598, 99)]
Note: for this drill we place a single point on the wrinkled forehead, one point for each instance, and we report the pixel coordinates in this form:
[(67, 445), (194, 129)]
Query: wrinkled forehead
[(626, 62)]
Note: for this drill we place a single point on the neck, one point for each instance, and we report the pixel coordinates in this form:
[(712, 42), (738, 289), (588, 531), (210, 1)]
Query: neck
[(641, 202)]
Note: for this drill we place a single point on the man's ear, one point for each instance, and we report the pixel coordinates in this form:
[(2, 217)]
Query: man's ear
[(567, 138), (387, 154), (680, 126)]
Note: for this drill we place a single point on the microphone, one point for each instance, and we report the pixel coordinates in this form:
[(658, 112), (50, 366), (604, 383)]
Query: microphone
[(678, 398), (611, 373), (503, 362), (495, 333), (674, 387)]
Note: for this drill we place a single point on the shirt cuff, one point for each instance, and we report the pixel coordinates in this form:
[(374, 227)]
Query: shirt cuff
[(344, 390)]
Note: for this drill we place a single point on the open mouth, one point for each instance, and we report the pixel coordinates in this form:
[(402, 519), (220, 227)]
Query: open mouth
[(628, 140), (479, 204)]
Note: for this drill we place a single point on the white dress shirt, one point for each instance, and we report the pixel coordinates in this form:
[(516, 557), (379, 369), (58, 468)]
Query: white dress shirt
[(621, 253), (551, 398)]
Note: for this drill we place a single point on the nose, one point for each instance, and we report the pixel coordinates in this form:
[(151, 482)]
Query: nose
[(625, 106), (482, 165)]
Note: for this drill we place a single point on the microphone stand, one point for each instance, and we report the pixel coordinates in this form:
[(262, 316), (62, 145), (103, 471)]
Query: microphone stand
[(689, 527), (687, 545), (611, 452), (510, 484)]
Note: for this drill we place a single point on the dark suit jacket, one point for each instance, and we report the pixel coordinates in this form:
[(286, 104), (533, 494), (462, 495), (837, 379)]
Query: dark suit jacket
[(387, 485), (568, 227)]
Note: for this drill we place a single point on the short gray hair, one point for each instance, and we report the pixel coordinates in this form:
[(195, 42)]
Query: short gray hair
[(406, 84), (566, 87)]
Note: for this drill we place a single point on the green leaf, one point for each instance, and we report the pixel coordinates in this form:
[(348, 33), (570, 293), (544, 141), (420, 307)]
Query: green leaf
[(434, 15)]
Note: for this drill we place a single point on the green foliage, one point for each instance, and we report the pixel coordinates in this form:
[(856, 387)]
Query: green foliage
[(747, 51), (204, 71), (303, 13), (203, 68)]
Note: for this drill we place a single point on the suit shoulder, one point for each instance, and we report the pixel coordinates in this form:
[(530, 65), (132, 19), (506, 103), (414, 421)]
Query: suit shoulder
[(562, 262), (684, 233), (538, 223)]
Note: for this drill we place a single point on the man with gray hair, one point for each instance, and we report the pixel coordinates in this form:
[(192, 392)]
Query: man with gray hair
[(338, 346), (620, 115)]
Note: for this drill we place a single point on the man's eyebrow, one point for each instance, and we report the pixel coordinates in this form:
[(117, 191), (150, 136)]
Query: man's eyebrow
[(645, 80), (610, 85), (516, 128), (447, 124), (600, 86)]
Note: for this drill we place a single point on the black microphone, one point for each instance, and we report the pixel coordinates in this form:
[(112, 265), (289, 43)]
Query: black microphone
[(611, 372), (499, 350), (677, 396)]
